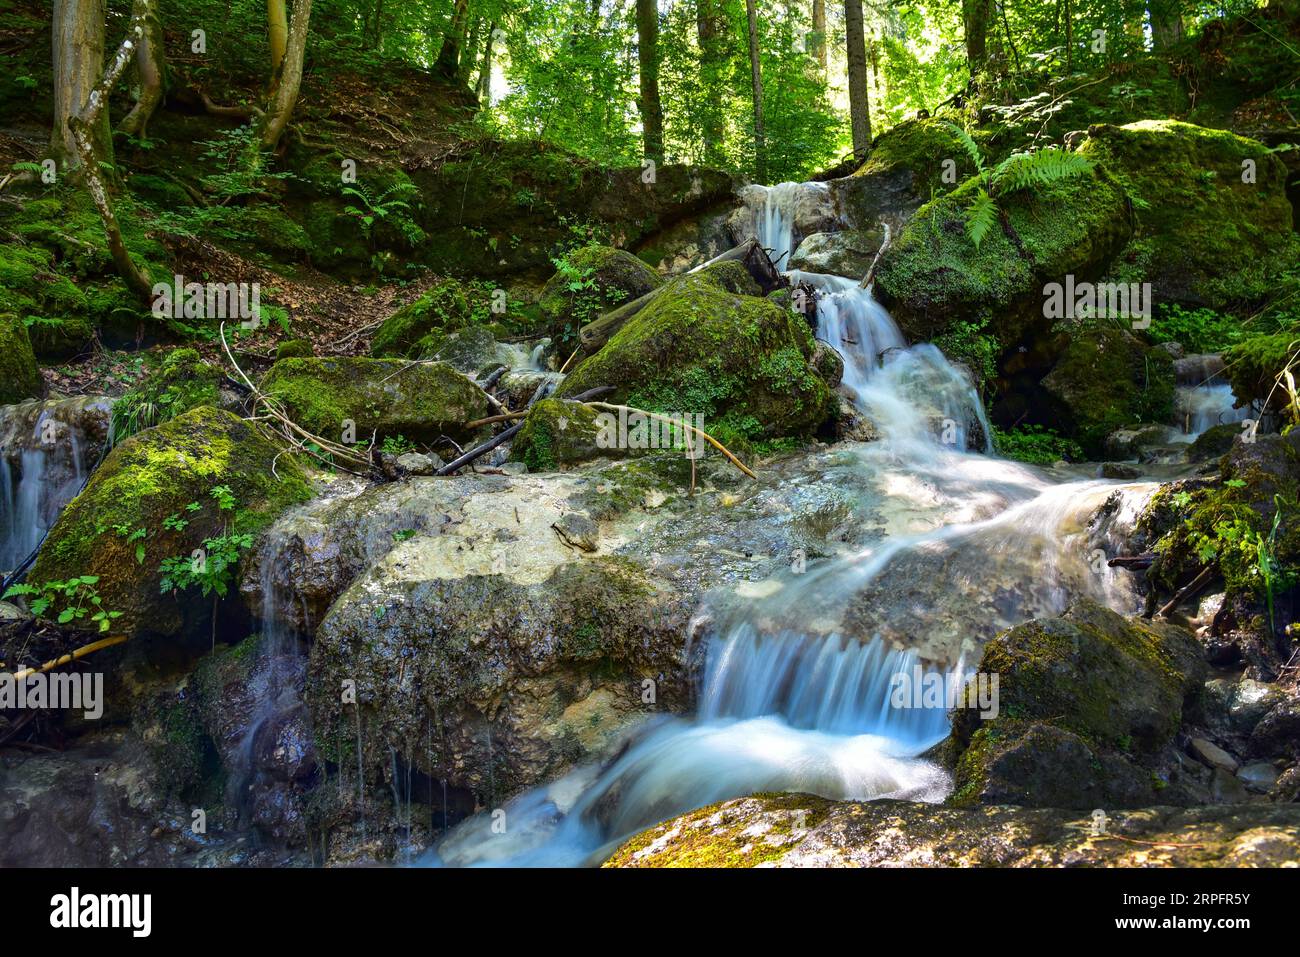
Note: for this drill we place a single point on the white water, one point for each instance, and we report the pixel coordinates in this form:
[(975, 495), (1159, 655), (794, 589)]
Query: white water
[(44, 461), (1202, 407), (795, 693)]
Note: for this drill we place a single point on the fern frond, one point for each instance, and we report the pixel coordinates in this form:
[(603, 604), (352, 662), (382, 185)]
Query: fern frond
[(1025, 170), (971, 146), (979, 217)]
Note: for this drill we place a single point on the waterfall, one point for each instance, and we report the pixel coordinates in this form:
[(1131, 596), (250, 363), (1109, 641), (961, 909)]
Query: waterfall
[(1202, 407), (47, 449), (797, 692)]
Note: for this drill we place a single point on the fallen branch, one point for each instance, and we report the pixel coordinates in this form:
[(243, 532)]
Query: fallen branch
[(70, 657), (871, 273), (1191, 588), (680, 422), (1133, 562)]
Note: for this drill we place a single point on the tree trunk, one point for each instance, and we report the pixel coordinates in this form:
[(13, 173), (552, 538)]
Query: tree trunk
[(819, 28), (756, 72), (975, 17), (277, 34), (449, 56), (711, 33), (82, 125), (1166, 23), (647, 52), (468, 54), (288, 81), (151, 70), (859, 100), (483, 88), (78, 31)]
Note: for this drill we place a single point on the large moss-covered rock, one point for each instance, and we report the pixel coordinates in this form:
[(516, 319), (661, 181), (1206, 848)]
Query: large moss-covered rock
[(20, 378), (1214, 222), (1106, 379), (590, 281), (933, 277), (709, 345), (150, 478), (182, 382), (1253, 367), (800, 830), (558, 433), (1086, 703), (390, 397), (922, 148), (411, 331)]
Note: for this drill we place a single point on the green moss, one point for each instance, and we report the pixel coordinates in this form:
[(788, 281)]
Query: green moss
[(718, 836), (589, 281), (20, 378), (388, 397), (182, 382), (1253, 367), (934, 278), (295, 349), (1105, 380), (1198, 221), (921, 146), (407, 332), (708, 345), (556, 434), (157, 474)]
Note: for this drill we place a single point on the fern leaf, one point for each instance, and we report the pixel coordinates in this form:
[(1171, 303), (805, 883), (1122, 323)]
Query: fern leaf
[(971, 146), (1027, 170), (979, 218)]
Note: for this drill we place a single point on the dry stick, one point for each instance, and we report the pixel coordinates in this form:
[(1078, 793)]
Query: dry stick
[(481, 450), (328, 446), (70, 657), (1195, 585), (494, 419), (664, 418), (871, 273)]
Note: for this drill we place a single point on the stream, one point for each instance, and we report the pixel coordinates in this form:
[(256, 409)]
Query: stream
[(796, 692)]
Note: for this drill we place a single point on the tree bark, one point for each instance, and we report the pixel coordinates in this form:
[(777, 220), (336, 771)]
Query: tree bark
[(286, 84), (483, 88), (78, 32), (647, 51), (756, 73), (277, 34), (711, 35), (448, 62), (859, 99), (819, 28), (1166, 23), (975, 18), (150, 68), (82, 126)]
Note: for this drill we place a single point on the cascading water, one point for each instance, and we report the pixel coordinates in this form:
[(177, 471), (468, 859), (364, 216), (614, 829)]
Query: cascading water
[(1202, 407), (46, 451), (796, 693)]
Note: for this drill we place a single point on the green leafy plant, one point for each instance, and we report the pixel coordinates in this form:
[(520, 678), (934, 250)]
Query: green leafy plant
[(72, 602), (1019, 171), (1036, 445)]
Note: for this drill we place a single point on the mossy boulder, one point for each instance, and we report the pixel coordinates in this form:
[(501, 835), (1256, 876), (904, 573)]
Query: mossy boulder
[(1214, 225), (590, 281), (709, 345), (558, 433), (1213, 443), (1106, 379), (150, 478), (1253, 366), (1085, 703), (802, 830), (20, 377), (921, 147), (295, 349), (934, 278), (388, 397), (182, 382), (412, 330)]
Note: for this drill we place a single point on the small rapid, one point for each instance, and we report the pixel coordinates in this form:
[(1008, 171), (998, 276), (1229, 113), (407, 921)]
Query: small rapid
[(796, 692)]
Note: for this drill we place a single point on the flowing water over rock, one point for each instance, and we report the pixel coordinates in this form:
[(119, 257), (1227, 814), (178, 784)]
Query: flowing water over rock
[(798, 690), (46, 451)]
